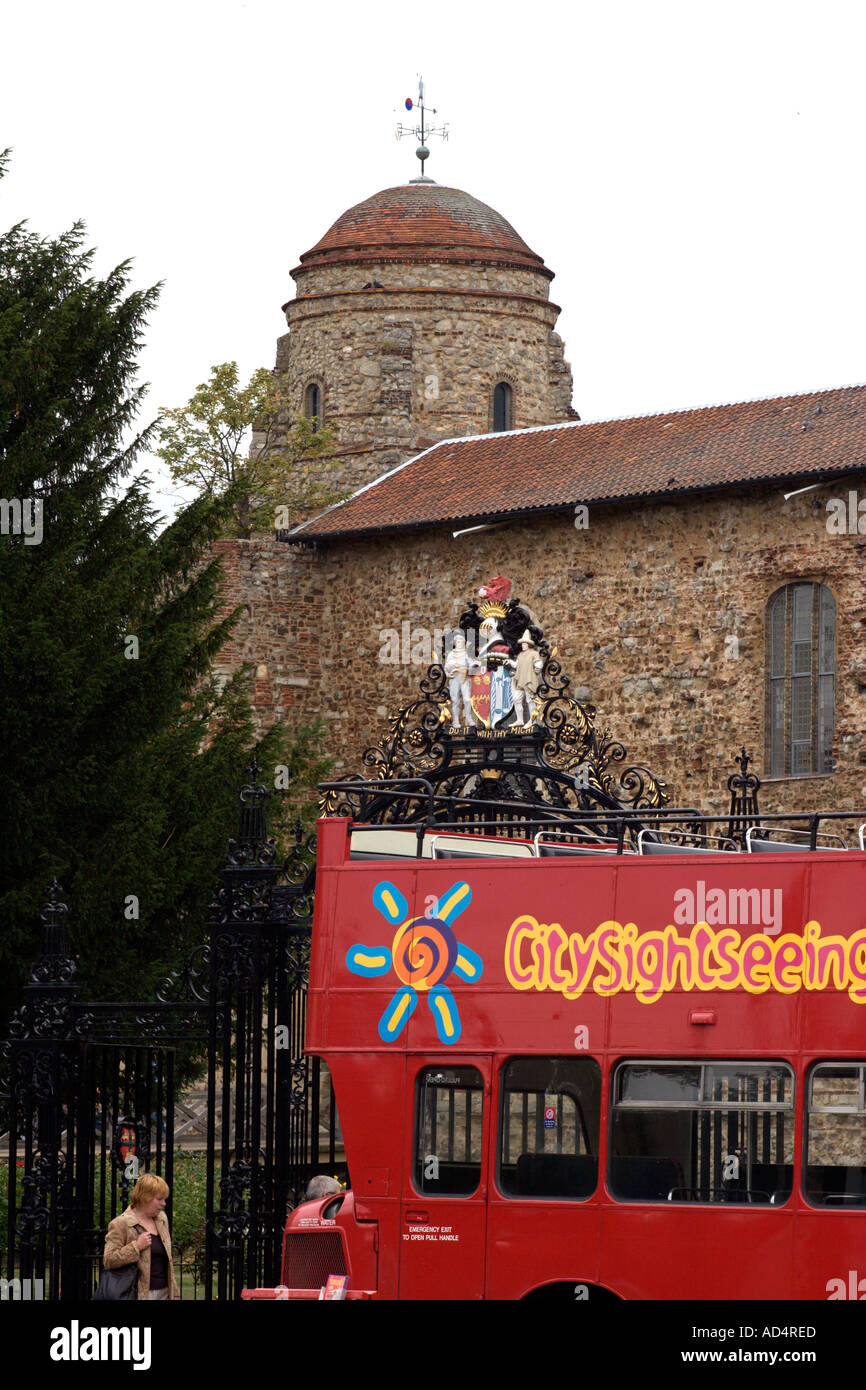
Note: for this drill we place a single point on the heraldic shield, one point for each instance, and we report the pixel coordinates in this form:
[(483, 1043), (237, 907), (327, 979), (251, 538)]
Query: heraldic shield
[(480, 697), (501, 694), (492, 696)]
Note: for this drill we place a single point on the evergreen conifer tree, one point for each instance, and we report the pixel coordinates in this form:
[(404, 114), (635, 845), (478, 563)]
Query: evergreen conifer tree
[(120, 754)]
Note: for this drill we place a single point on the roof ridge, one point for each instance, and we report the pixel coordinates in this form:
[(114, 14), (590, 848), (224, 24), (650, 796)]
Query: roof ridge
[(657, 414), (726, 404), (641, 415)]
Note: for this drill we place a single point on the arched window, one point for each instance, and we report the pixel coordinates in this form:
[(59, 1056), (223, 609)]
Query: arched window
[(313, 403), (801, 680), (501, 406)]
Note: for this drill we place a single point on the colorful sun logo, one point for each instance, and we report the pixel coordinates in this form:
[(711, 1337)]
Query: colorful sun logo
[(423, 954)]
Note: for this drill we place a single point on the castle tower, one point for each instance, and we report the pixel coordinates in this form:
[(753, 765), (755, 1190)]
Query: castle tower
[(420, 315)]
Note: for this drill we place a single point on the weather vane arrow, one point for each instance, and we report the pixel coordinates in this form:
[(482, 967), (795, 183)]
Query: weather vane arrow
[(423, 131)]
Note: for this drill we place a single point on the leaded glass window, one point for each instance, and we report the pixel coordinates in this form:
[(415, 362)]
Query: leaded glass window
[(801, 667)]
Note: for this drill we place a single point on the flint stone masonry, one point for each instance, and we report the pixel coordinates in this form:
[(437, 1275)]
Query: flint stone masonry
[(417, 359), (390, 377), (408, 312), (655, 668)]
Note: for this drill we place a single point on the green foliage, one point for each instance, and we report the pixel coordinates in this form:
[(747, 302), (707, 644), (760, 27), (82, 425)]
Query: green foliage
[(121, 759), (189, 1194), (206, 443)]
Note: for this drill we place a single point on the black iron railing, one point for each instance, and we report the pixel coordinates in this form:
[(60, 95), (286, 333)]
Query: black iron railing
[(428, 811)]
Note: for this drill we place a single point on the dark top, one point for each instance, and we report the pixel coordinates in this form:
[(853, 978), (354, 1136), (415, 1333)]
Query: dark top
[(158, 1264)]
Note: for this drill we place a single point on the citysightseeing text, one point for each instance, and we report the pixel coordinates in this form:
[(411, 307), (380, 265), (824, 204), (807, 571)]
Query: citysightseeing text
[(615, 958)]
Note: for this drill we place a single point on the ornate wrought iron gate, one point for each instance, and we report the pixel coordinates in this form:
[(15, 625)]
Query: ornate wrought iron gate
[(258, 1079), (88, 1090)]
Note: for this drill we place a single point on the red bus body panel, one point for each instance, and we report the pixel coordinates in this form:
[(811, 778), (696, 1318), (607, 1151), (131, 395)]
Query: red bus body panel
[(531, 999)]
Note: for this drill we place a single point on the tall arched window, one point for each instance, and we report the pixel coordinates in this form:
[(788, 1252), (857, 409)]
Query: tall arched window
[(501, 406), (801, 680), (313, 403)]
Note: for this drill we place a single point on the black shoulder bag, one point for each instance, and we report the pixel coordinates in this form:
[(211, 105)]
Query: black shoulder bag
[(118, 1283)]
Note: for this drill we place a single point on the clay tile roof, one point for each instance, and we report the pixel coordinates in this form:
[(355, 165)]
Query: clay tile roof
[(484, 477), (422, 222)]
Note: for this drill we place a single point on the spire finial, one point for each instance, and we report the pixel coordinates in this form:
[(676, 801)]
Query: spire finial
[(252, 824), (422, 131)]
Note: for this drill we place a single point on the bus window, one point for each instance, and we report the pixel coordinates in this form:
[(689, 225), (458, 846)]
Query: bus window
[(449, 1104), (548, 1127), (702, 1132), (836, 1135)]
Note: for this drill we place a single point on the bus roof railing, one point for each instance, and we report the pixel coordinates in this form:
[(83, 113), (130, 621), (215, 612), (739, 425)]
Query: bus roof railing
[(427, 811)]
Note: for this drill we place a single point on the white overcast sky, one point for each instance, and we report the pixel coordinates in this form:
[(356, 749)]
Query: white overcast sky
[(693, 172)]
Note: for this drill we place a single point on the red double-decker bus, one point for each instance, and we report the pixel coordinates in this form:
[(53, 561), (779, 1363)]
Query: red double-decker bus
[(589, 1063)]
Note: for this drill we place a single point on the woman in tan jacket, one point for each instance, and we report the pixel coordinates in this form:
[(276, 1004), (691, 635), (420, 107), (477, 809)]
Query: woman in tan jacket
[(141, 1235)]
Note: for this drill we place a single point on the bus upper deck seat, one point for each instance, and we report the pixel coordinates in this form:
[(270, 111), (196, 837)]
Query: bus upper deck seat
[(799, 840), (774, 847), (659, 847), (548, 850), (646, 844), (784, 846)]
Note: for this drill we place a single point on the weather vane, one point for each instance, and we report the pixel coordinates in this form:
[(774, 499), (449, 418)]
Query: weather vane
[(422, 131)]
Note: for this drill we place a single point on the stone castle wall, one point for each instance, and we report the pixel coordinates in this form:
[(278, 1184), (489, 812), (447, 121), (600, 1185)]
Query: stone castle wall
[(402, 367), (639, 606), (424, 274), (278, 592)]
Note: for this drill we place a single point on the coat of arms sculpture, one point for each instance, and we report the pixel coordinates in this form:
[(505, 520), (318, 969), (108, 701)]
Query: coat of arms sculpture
[(495, 721)]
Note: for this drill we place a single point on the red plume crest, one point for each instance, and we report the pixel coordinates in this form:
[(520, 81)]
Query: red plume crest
[(498, 589)]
